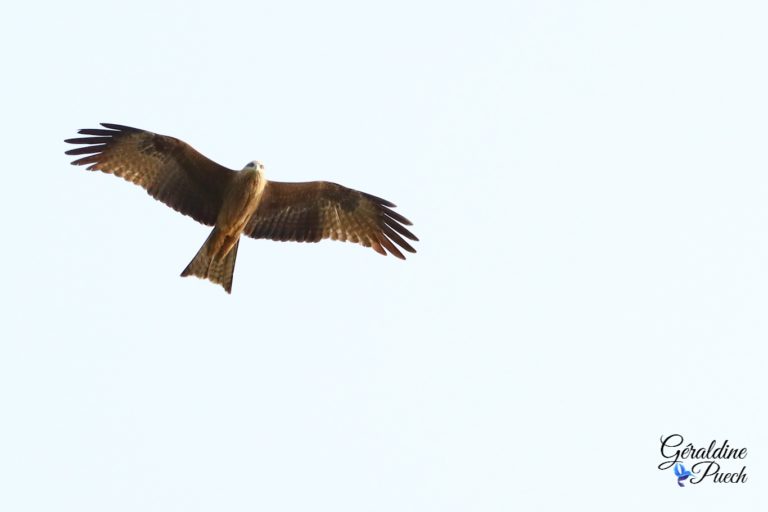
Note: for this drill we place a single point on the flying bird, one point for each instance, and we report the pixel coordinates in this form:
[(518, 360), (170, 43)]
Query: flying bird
[(239, 202)]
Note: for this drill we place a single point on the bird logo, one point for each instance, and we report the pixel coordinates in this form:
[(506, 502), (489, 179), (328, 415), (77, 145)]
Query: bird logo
[(682, 474)]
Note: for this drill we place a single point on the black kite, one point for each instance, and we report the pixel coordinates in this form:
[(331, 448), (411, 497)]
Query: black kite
[(239, 202)]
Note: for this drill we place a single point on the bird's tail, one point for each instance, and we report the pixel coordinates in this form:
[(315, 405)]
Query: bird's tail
[(205, 266)]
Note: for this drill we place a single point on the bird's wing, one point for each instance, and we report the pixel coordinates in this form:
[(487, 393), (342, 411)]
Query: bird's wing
[(312, 211), (168, 168)]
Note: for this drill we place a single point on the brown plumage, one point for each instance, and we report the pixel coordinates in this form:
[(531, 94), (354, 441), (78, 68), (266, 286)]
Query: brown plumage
[(239, 202)]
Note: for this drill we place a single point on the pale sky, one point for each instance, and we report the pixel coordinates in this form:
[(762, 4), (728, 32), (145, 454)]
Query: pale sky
[(589, 181)]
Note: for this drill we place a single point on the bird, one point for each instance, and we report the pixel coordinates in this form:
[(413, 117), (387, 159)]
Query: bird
[(682, 474), (240, 202)]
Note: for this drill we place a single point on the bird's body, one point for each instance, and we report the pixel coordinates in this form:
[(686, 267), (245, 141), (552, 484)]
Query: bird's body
[(239, 202), (241, 198)]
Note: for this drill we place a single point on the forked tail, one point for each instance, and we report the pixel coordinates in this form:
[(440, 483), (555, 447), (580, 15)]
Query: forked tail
[(218, 271)]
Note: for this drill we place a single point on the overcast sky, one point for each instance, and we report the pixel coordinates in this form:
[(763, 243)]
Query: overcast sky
[(588, 181)]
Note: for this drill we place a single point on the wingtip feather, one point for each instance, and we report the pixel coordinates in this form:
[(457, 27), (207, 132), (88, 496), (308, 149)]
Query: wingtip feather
[(119, 127), (376, 246)]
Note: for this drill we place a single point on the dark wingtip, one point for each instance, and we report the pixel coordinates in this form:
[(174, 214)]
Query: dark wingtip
[(98, 141), (379, 200), (394, 224), (119, 127)]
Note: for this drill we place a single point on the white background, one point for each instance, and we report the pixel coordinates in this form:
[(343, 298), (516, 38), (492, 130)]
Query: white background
[(588, 180)]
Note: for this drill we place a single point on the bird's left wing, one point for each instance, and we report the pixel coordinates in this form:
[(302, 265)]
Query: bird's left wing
[(312, 211), (168, 168)]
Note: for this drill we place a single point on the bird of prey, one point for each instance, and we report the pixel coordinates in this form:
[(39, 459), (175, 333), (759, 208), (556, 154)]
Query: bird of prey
[(239, 202)]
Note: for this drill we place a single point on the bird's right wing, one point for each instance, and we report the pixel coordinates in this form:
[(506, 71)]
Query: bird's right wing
[(169, 169), (312, 211)]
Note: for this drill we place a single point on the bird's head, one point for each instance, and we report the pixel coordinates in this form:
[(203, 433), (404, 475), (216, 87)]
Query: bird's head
[(255, 165)]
